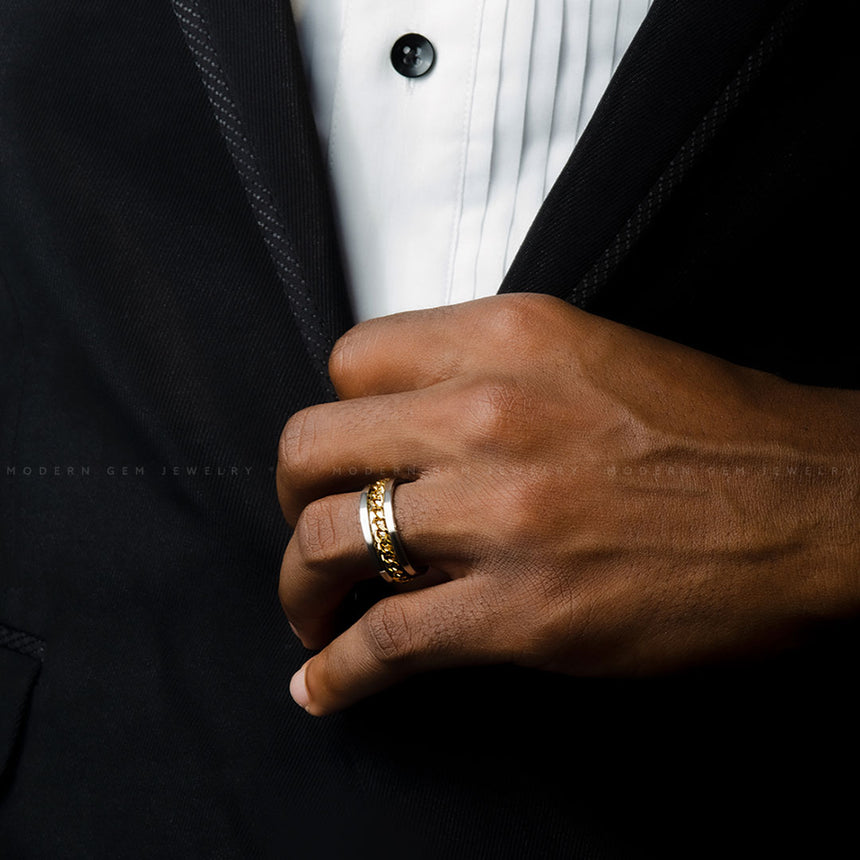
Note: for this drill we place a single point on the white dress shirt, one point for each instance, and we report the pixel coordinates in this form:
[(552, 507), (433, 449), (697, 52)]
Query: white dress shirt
[(437, 178)]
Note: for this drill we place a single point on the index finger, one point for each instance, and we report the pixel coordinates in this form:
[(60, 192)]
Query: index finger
[(417, 349), (396, 353)]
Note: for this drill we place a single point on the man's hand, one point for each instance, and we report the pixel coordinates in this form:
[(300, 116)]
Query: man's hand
[(591, 500)]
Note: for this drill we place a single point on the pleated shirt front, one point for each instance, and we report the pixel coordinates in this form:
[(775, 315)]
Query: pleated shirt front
[(437, 178)]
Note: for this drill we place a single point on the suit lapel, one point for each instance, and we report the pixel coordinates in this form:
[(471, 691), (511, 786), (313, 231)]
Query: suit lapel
[(685, 72), (249, 62)]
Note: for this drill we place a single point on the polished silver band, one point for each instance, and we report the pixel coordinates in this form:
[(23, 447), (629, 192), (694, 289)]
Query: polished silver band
[(364, 519)]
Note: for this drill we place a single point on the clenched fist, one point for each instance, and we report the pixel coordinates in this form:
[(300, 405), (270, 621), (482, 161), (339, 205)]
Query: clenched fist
[(589, 499)]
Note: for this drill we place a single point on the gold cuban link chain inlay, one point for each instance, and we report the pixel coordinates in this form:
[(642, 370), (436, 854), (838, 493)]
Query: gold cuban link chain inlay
[(381, 538)]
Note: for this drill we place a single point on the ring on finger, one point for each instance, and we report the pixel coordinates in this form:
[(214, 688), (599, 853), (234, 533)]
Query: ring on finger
[(379, 529)]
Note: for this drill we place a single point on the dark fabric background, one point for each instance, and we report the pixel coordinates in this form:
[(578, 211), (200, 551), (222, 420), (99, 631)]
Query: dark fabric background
[(144, 325)]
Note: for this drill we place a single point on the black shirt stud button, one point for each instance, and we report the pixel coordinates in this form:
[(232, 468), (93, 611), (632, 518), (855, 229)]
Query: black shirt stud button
[(413, 55)]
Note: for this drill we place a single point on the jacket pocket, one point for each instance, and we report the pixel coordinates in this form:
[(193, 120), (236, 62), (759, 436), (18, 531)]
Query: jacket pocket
[(21, 657)]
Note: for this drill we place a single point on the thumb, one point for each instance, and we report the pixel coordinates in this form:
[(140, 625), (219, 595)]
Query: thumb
[(447, 625)]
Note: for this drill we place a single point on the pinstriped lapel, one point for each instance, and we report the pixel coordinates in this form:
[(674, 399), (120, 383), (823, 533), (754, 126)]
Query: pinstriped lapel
[(686, 71), (249, 62)]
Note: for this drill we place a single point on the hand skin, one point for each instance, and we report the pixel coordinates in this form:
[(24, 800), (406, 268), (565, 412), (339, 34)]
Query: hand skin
[(595, 500)]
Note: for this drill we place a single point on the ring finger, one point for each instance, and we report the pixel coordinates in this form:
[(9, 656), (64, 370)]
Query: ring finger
[(327, 555)]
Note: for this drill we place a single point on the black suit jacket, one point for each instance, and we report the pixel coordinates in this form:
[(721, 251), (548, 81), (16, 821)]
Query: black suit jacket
[(171, 287)]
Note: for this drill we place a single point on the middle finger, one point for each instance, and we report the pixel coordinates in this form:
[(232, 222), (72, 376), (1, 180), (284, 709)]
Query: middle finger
[(334, 447)]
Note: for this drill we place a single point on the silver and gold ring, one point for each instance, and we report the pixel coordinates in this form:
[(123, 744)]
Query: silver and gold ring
[(378, 526)]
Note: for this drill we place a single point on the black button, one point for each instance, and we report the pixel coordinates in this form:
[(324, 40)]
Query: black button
[(413, 55)]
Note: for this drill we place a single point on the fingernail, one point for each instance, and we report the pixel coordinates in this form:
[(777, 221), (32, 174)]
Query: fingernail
[(299, 690), (293, 628)]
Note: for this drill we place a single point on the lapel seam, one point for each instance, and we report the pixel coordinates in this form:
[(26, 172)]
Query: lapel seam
[(270, 220), (679, 167)]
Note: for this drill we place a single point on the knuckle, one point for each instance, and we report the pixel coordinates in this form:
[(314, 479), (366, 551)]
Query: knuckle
[(496, 411), (519, 322), (510, 317), (389, 635), (345, 357), (296, 447), (315, 535), (339, 360), (513, 318)]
